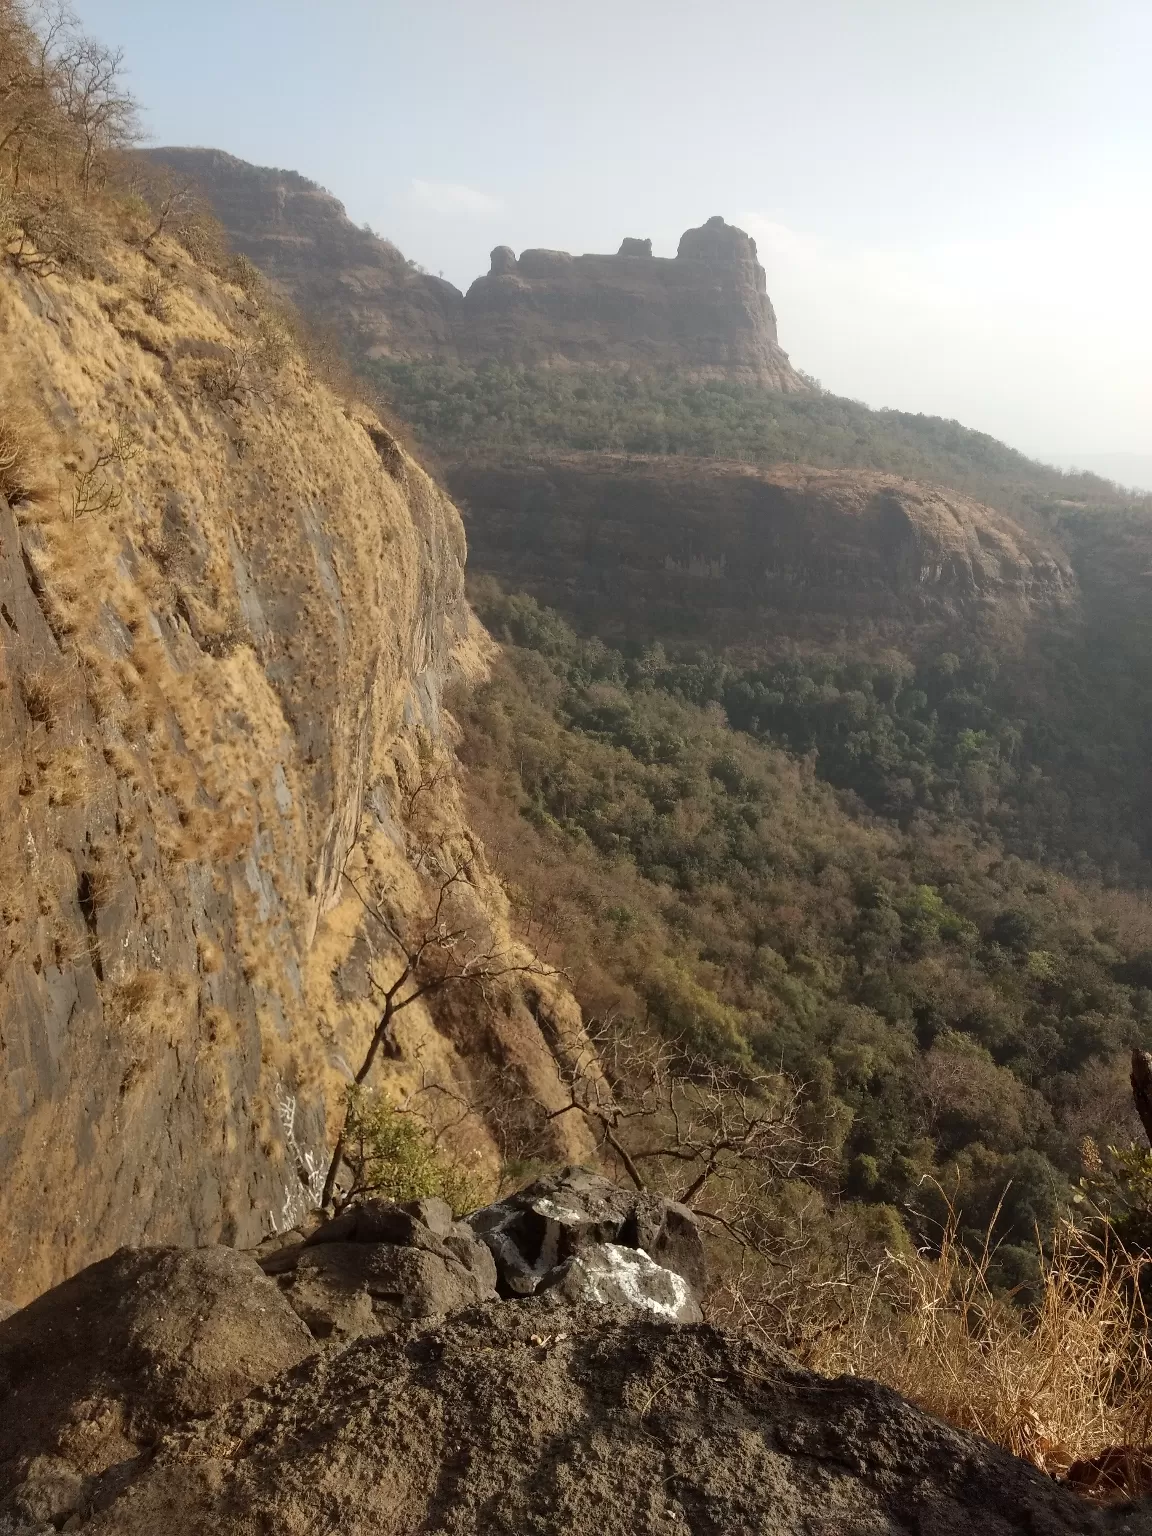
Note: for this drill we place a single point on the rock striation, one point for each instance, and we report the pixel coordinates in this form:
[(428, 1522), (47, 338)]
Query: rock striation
[(706, 310), (230, 604), (742, 555)]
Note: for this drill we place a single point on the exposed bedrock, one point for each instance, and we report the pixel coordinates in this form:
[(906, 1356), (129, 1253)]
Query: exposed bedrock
[(737, 554)]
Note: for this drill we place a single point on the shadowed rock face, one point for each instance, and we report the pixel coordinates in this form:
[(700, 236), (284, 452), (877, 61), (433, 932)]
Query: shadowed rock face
[(705, 310), (737, 554)]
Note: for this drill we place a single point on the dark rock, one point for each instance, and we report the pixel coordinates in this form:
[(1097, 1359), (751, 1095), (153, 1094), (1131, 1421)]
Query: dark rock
[(95, 1369), (609, 1275), (551, 1220), (578, 1422), (353, 1290), (632, 247), (503, 262), (382, 1221), (377, 1264)]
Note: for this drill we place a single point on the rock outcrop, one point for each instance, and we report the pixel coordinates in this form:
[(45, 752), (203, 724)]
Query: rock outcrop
[(300, 237), (93, 1372), (165, 1390), (705, 311), (543, 1414), (738, 554), (229, 605), (537, 1232)]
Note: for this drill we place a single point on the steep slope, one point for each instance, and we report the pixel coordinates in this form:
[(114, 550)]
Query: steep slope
[(229, 607), (346, 277), (706, 310)]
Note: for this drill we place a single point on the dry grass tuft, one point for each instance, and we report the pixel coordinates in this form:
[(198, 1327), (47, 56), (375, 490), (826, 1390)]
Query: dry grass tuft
[(1057, 1382), (67, 776), (45, 694), (22, 474)]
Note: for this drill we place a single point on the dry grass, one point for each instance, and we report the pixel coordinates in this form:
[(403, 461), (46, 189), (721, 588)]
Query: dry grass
[(45, 694), (22, 475), (1057, 1382)]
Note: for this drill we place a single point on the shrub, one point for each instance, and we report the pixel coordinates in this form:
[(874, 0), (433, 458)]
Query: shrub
[(20, 472), (392, 1156), (1056, 1382)]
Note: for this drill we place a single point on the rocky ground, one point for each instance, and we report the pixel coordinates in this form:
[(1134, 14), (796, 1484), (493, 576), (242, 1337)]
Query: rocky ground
[(538, 1368)]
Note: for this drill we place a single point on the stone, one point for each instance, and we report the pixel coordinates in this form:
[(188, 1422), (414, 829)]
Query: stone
[(354, 1290), (93, 1371), (382, 1221), (586, 1421), (503, 262), (633, 247), (551, 1220), (607, 1274)]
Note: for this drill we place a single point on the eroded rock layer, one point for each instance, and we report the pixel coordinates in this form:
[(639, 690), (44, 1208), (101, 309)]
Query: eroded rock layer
[(706, 310), (738, 554)]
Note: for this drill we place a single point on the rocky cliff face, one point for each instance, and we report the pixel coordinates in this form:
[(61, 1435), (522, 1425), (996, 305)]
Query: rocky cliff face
[(738, 555), (706, 310), (355, 283), (229, 604)]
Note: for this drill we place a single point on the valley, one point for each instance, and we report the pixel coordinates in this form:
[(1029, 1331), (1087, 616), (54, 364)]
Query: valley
[(523, 811)]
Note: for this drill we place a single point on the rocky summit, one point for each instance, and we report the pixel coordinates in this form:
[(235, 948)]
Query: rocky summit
[(367, 1377), (705, 310)]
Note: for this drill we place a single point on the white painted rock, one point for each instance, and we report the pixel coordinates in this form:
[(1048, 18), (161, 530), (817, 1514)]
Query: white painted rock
[(607, 1274)]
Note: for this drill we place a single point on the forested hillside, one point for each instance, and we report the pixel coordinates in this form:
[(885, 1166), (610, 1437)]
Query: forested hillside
[(905, 863), (461, 411), (961, 1016)]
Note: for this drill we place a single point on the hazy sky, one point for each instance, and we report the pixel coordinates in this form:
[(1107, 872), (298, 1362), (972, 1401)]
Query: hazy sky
[(951, 197)]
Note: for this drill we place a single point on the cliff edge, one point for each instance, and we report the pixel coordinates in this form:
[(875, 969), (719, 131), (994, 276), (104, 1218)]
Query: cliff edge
[(229, 605), (706, 310)]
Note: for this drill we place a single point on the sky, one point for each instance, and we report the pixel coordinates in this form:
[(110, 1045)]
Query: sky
[(951, 197)]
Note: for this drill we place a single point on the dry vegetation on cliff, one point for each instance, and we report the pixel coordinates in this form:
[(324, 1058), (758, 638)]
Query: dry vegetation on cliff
[(230, 601)]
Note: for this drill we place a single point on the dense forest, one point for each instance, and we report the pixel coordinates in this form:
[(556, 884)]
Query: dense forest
[(960, 1015), (459, 411), (912, 881)]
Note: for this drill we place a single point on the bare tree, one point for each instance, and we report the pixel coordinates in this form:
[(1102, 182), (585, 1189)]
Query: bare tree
[(444, 952), (95, 102), (675, 1120)]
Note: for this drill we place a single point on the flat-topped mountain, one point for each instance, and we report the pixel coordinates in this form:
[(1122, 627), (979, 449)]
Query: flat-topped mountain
[(705, 310)]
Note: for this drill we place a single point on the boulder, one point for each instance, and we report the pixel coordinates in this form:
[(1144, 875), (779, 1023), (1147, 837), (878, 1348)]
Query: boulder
[(378, 1264), (585, 1421), (93, 1371), (503, 262), (609, 1275), (532, 1232), (630, 246)]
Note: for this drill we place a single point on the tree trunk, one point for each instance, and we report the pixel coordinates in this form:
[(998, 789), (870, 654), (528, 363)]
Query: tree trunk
[(1142, 1089)]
